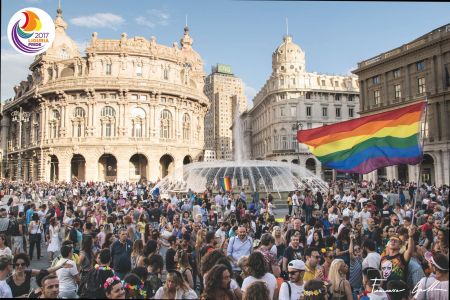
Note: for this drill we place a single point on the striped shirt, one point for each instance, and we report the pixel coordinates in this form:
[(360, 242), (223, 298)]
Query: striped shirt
[(4, 222), (355, 272)]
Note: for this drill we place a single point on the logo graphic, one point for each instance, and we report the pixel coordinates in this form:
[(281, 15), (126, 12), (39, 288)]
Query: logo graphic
[(31, 31)]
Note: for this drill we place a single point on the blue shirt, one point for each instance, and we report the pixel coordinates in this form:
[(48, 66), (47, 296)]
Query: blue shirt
[(238, 248), (30, 213)]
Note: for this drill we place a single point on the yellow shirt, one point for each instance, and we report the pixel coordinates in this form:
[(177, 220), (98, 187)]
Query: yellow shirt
[(310, 274), (289, 200)]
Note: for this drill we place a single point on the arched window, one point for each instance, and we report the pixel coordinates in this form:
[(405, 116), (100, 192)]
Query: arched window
[(275, 140), (166, 124), (79, 112), (186, 126), (138, 117), (78, 122), (108, 111), (108, 119), (54, 124)]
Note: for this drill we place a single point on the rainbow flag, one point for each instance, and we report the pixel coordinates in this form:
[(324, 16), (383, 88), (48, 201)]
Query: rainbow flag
[(368, 143), (225, 183)]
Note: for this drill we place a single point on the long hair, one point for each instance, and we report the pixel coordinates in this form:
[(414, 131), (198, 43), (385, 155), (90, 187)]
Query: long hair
[(138, 246), (209, 260), (333, 274), (86, 246), (256, 264), (213, 282), (178, 279), (257, 291), (344, 235), (107, 243), (183, 259)]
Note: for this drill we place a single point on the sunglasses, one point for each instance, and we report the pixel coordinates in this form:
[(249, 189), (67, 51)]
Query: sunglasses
[(293, 272), (316, 256), (331, 257)]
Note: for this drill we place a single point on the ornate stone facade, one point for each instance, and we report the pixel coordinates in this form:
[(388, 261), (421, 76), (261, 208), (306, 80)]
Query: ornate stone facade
[(413, 72), (130, 109), (293, 98)]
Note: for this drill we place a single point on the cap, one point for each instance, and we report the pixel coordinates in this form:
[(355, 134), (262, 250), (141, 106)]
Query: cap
[(297, 264), (438, 260)]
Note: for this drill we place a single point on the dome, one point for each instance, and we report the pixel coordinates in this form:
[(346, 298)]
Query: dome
[(288, 57)]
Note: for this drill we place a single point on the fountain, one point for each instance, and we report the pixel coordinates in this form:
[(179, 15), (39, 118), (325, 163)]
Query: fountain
[(251, 175)]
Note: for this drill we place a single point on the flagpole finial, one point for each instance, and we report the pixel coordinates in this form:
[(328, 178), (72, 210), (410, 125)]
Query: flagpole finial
[(186, 23)]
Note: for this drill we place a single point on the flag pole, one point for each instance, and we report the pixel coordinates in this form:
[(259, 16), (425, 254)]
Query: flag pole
[(420, 165)]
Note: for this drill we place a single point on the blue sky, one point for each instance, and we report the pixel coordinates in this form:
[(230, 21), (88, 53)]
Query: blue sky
[(334, 35)]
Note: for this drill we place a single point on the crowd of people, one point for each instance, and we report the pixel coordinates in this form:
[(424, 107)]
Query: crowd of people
[(386, 240)]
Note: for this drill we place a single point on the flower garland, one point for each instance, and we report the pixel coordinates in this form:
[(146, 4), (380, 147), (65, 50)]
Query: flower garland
[(139, 288), (103, 268), (312, 293), (110, 281)]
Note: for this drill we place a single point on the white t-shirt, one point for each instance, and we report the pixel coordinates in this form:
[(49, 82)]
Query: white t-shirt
[(66, 277), (364, 217), (268, 278), (438, 291), (372, 260), (296, 291), (5, 290)]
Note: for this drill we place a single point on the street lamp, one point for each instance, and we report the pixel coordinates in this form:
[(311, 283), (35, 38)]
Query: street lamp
[(297, 126), (20, 116)]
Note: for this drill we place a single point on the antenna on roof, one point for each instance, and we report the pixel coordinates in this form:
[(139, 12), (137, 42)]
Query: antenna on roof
[(59, 4), (186, 21), (287, 27)]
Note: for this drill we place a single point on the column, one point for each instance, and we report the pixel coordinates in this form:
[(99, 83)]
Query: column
[(387, 99), (407, 83), (4, 134), (446, 165), (122, 168), (91, 167), (413, 171), (438, 168)]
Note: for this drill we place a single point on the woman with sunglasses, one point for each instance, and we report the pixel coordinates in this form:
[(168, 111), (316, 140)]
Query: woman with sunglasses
[(20, 281), (356, 260)]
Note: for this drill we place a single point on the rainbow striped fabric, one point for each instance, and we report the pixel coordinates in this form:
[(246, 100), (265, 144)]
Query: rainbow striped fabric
[(368, 143), (225, 183)]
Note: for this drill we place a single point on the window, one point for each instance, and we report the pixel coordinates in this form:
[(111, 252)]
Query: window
[(282, 113), (284, 139), (421, 85), (63, 54), (337, 97), (293, 111), (138, 112), (323, 82), (293, 81), (308, 95), (108, 129), (376, 79), (376, 96), (308, 111), (350, 112), (336, 83), (79, 130), (338, 112), (139, 71), (134, 97), (103, 96), (112, 96), (108, 68), (350, 98), (396, 73), (143, 97), (166, 74), (166, 124), (398, 91), (420, 65), (108, 111), (324, 111), (186, 126), (79, 112), (282, 81)]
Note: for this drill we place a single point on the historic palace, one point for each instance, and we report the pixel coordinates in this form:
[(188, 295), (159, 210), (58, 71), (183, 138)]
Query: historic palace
[(130, 109)]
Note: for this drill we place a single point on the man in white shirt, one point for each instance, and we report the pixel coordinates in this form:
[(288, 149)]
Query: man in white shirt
[(221, 233), (296, 203), (364, 215), (293, 289), (5, 270), (68, 277), (373, 258)]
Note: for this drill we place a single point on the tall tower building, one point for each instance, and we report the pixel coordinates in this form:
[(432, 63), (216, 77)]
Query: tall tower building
[(226, 95)]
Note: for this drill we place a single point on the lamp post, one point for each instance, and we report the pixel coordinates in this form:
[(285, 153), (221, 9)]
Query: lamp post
[(297, 126), (20, 116)]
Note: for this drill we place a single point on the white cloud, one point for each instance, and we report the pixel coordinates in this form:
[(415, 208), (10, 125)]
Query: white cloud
[(14, 69), (250, 93), (154, 17), (98, 20)]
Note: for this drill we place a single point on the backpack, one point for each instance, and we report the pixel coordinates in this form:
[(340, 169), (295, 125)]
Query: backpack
[(13, 228), (153, 284), (92, 287)]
